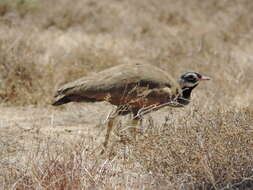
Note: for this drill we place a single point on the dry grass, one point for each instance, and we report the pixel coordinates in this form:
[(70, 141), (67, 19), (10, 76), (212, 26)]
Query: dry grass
[(207, 145), (214, 149)]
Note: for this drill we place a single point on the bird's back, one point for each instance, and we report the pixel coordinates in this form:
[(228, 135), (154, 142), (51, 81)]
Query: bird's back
[(115, 80)]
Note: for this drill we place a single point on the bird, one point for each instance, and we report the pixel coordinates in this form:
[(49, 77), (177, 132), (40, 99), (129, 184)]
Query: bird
[(137, 88)]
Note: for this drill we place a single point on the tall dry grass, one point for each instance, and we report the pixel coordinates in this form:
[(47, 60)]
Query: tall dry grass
[(207, 145)]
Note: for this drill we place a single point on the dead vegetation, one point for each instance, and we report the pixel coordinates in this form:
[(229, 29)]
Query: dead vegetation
[(207, 145), (214, 148)]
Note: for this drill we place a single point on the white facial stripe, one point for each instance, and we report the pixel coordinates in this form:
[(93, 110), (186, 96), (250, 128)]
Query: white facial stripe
[(190, 84)]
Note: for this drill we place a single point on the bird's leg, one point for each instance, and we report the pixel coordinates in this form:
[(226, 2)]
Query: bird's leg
[(108, 132), (135, 122), (109, 129), (133, 129)]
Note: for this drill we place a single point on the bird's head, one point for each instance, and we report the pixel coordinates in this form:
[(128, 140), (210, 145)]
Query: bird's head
[(191, 79)]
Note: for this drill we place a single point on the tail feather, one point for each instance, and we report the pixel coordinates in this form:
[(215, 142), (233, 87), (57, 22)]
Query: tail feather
[(61, 100)]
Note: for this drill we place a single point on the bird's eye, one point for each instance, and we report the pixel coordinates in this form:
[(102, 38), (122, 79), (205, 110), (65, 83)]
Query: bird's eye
[(190, 77)]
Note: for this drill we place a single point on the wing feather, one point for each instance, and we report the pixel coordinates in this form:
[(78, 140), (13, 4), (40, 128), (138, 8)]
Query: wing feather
[(115, 80)]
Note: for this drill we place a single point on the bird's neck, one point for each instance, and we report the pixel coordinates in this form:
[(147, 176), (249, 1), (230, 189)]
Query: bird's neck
[(185, 97)]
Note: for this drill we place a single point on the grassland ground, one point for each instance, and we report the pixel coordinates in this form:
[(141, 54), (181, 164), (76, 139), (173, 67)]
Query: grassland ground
[(206, 145)]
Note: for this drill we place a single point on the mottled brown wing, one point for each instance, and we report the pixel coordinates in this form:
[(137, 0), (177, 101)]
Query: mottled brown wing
[(114, 82)]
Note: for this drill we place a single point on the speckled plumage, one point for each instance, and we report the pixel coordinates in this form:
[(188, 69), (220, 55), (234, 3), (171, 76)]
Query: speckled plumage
[(135, 84)]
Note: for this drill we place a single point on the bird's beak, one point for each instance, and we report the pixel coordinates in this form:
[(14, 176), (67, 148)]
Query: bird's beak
[(204, 78)]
